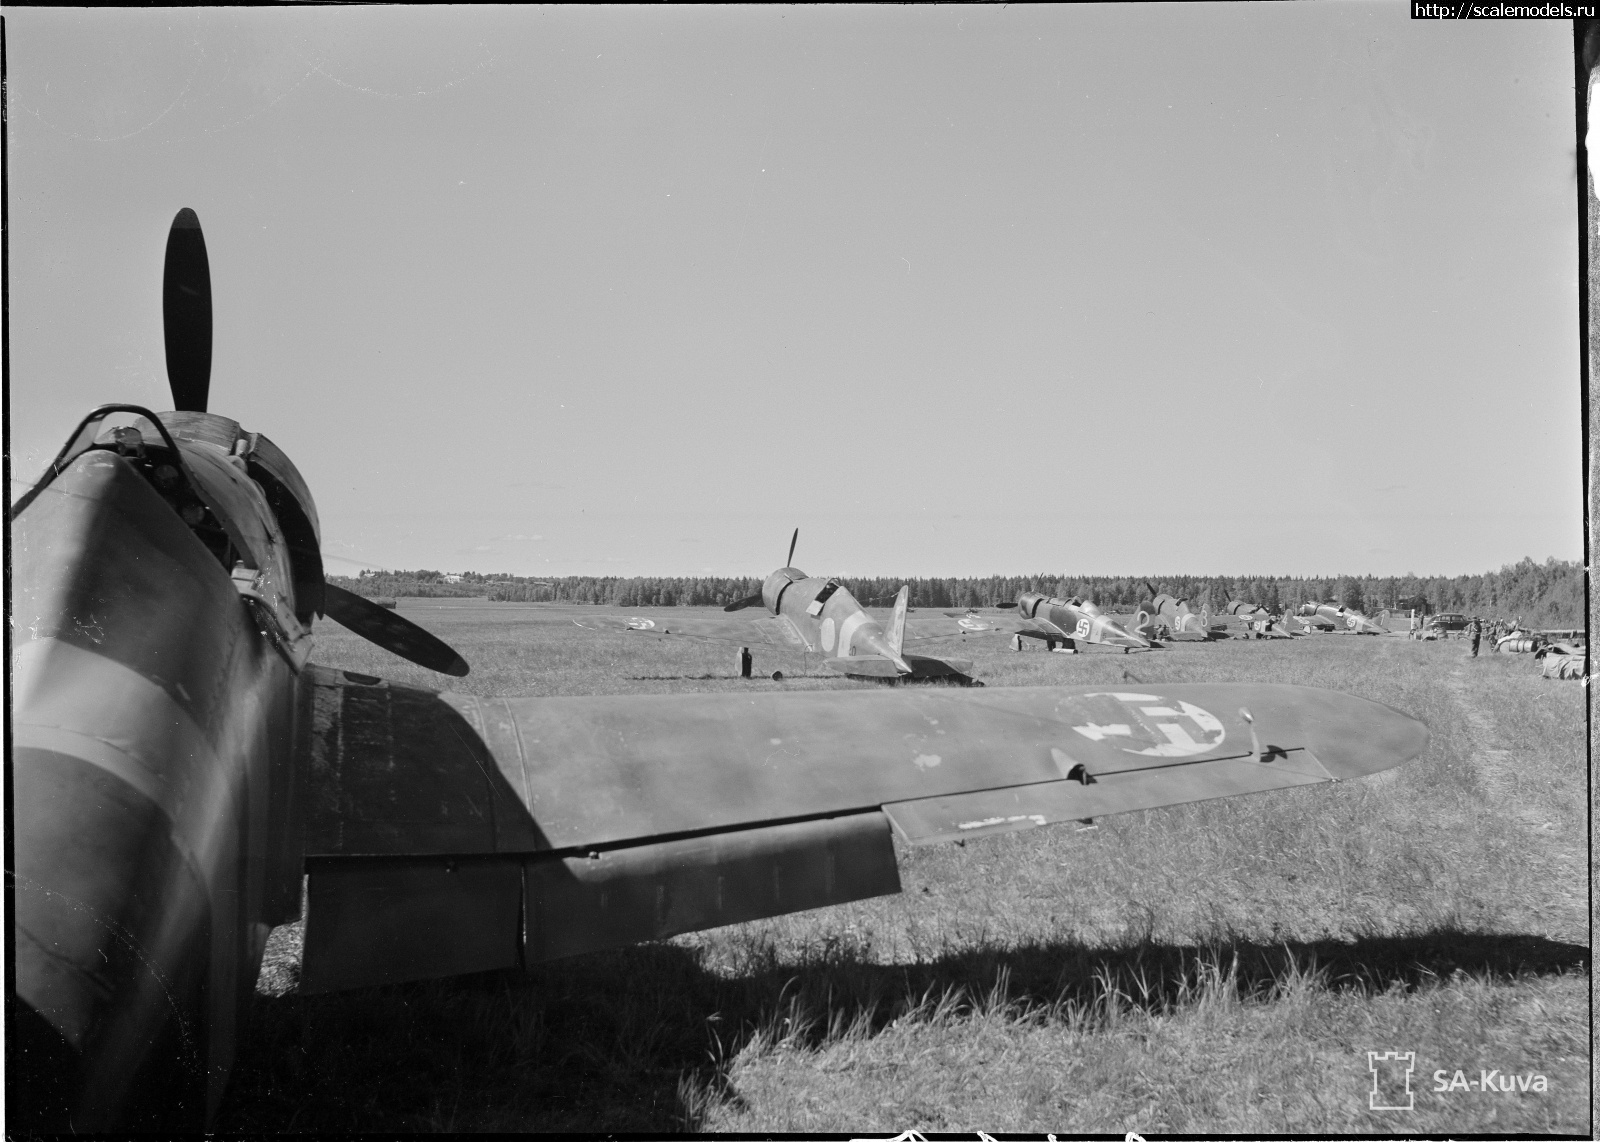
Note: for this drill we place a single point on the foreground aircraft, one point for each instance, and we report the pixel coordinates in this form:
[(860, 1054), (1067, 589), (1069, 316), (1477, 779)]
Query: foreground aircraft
[(1342, 619), (1052, 621), (184, 779), (810, 615)]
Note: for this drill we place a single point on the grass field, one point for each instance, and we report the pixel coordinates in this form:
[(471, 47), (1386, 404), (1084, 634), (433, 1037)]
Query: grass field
[(1216, 968)]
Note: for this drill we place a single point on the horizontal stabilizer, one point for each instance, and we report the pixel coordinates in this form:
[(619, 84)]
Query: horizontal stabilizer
[(923, 666), (865, 665)]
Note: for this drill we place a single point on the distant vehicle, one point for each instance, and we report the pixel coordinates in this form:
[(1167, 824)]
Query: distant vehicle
[(1449, 621)]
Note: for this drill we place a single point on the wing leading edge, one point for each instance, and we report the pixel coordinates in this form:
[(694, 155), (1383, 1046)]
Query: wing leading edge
[(448, 833)]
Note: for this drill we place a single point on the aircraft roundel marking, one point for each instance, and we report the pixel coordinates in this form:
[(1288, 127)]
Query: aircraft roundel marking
[(847, 631), (1082, 629), (970, 623), (827, 635), (1171, 732), (642, 624)]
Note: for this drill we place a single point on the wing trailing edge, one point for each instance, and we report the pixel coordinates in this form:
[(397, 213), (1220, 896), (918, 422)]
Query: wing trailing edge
[(1084, 796), (375, 921)]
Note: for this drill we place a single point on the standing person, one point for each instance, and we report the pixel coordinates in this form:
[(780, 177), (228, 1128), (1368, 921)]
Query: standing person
[(1477, 634)]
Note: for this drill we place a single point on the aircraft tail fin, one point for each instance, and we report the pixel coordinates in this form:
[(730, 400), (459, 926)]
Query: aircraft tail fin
[(897, 624)]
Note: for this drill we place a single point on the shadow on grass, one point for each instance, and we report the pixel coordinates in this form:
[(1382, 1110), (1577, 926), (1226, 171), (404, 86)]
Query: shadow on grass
[(683, 678), (609, 1042)]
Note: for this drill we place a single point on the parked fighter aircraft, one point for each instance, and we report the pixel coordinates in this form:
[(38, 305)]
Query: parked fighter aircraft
[(1052, 621), (1258, 622), (1343, 619), (1180, 622), (1313, 623), (181, 772), (809, 615)]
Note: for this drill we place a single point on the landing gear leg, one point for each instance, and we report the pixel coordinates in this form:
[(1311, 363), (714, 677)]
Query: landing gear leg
[(744, 662)]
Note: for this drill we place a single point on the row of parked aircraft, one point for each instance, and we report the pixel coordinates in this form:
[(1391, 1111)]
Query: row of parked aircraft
[(816, 615), (184, 778)]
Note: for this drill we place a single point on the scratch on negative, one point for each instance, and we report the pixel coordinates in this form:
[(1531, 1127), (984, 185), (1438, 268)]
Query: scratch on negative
[(125, 936), (1036, 818)]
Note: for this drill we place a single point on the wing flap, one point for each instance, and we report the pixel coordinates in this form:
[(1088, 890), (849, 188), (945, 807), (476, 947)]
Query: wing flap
[(612, 898), (935, 819), (371, 922), (377, 921)]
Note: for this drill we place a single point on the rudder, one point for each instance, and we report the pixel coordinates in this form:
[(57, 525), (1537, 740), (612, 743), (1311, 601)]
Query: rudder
[(897, 624)]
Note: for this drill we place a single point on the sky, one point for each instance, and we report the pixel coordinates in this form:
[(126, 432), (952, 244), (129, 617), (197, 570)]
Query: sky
[(1087, 289)]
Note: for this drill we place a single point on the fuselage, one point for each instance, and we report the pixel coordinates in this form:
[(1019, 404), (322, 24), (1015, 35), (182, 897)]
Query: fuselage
[(158, 645)]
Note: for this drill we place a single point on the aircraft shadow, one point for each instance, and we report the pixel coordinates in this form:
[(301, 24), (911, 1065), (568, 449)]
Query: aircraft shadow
[(610, 1041)]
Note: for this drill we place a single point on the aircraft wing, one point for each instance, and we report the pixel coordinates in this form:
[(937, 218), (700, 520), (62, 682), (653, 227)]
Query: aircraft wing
[(736, 628), (446, 833), (953, 624)]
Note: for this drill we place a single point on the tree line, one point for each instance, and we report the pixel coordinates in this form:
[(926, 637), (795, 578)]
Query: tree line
[(1548, 594)]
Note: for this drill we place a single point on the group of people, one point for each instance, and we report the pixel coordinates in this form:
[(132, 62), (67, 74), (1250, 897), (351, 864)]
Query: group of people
[(1476, 630)]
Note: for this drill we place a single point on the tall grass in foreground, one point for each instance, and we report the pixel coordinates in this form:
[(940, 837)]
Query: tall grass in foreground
[(1221, 967)]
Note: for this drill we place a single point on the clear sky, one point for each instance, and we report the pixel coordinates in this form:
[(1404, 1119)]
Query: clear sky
[(1207, 289)]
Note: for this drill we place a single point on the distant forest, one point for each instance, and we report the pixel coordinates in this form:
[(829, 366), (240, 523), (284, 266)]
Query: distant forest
[(1548, 594)]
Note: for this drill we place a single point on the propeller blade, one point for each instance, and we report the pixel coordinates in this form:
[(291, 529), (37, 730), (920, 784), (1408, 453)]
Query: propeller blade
[(186, 313), (1006, 606), (390, 631), (753, 601), (789, 562)]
